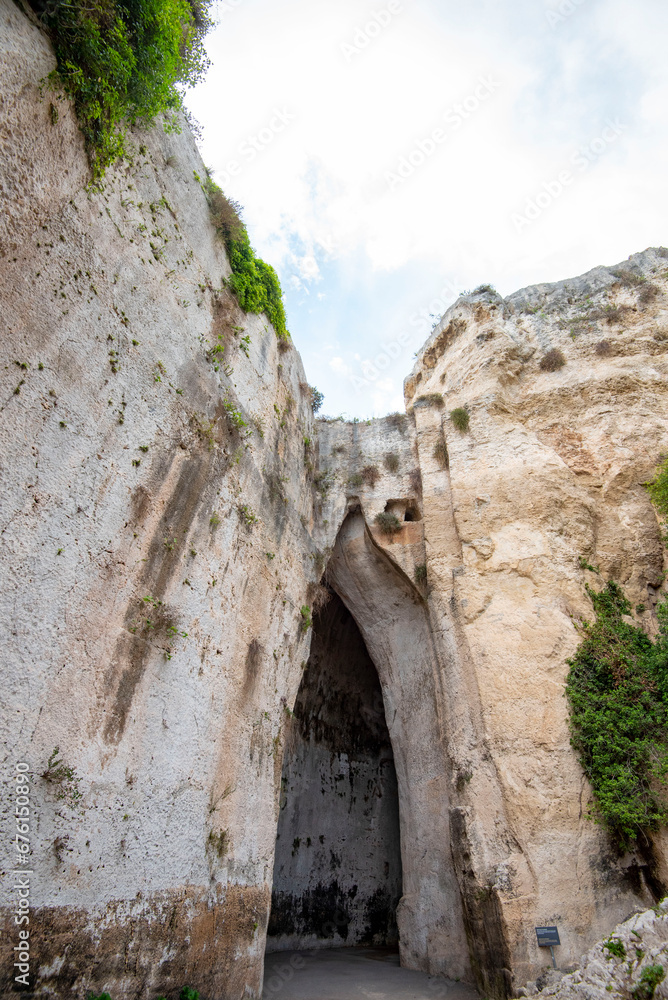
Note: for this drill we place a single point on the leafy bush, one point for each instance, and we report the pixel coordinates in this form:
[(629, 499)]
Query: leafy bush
[(307, 621), (482, 289), (254, 283), (317, 398), (552, 361), (460, 418), (98, 996), (388, 523), (650, 978), (618, 693), (391, 461), (615, 947), (314, 396), (121, 61), (187, 993), (658, 491)]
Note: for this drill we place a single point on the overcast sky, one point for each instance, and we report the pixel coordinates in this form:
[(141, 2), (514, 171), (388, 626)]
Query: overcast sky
[(389, 155)]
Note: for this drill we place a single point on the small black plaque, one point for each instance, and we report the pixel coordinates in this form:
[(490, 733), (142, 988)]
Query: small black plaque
[(547, 937)]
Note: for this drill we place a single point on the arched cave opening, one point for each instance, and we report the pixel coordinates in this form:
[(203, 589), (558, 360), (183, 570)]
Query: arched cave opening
[(337, 869)]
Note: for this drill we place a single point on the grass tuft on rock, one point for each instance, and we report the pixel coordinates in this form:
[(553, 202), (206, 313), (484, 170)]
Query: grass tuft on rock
[(430, 399), (388, 523), (370, 475), (460, 418)]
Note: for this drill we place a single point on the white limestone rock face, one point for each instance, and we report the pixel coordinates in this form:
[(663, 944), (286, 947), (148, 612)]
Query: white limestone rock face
[(635, 967), (549, 474), (41, 149), (156, 551)]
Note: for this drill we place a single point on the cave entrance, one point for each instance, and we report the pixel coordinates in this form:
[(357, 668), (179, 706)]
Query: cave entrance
[(337, 868)]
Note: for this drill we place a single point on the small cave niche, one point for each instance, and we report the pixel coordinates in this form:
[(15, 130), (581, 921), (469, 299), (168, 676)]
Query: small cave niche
[(412, 512), (337, 869), (405, 510)]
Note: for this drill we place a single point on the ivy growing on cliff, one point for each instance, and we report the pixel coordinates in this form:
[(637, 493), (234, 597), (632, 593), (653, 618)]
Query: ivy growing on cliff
[(254, 283), (124, 61), (618, 693), (658, 491)]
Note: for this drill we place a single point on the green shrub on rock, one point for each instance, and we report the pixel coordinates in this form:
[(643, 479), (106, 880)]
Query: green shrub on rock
[(658, 491), (618, 693), (651, 976), (254, 283), (388, 523), (122, 62)]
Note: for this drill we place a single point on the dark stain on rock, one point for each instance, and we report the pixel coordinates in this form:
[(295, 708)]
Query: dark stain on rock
[(322, 910), (485, 927), (252, 667), (141, 949), (650, 870), (275, 499), (380, 914), (163, 561)]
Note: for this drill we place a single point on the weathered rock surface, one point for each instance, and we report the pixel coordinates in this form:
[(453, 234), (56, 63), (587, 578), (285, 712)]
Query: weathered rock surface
[(550, 471), (627, 964), (166, 519), (337, 868)]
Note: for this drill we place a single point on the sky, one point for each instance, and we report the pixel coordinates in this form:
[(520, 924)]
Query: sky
[(389, 155)]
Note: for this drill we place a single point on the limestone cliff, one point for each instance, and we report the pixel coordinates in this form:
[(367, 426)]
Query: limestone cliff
[(170, 512), (549, 473)]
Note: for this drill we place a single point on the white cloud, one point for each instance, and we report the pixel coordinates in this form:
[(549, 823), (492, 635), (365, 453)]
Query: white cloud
[(338, 365), (314, 136)]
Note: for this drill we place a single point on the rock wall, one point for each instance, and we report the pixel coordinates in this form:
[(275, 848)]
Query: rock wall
[(337, 869), (156, 551), (166, 517), (549, 473), (632, 962)]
